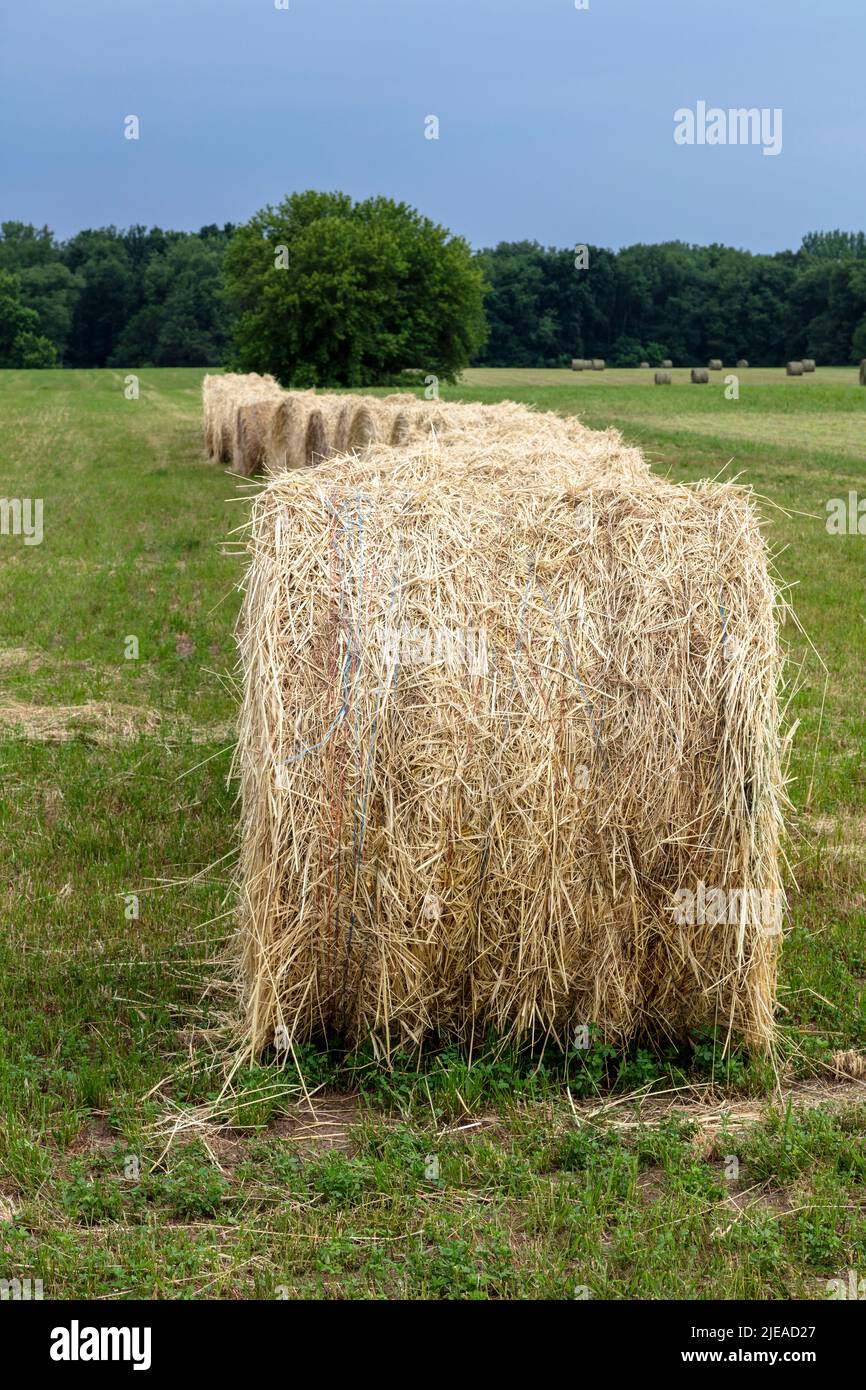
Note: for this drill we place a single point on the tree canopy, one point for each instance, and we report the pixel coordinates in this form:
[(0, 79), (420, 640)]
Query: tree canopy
[(331, 292)]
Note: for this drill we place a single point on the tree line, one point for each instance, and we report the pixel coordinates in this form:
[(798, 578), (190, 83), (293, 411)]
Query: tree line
[(110, 298), (374, 288)]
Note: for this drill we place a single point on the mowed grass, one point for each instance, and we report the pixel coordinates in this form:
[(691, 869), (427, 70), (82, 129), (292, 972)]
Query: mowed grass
[(497, 1176)]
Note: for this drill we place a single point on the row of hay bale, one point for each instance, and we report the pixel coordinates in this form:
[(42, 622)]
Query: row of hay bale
[(804, 367), (700, 376), (508, 697), (256, 426)]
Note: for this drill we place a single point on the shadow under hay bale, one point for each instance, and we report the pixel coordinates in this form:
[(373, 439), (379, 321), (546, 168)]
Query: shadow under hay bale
[(519, 776)]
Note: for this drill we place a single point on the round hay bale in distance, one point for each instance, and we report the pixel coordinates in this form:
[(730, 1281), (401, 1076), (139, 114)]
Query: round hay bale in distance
[(667, 362), (252, 425), (700, 376), (316, 448), (401, 429), (287, 434), (362, 430), (742, 364), (663, 378), (577, 364), (794, 369), (715, 364), (598, 364), (809, 364)]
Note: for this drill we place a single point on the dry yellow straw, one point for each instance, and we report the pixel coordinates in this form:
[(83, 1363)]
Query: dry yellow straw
[(509, 747)]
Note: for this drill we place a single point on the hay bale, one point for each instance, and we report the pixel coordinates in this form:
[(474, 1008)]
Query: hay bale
[(598, 364), (316, 447), (477, 789), (700, 376), (287, 434), (645, 365), (222, 398), (211, 388), (577, 364), (715, 364), (667, 362), (663, 378), (401, 430), (252, 426), (808, 364), (794, 369), (742, 364), (863, 372), (343, 424), (362, 431)]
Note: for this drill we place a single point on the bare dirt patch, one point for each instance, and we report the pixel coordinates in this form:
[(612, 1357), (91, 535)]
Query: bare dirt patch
[(713, 1114), (323, 1124), (96, 1136), (651, 1183)]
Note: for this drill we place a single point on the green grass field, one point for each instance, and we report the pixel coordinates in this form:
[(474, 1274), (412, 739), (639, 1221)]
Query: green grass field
[(600, 1174)]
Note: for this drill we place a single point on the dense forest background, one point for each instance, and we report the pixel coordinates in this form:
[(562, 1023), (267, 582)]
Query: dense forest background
[(144, 297)]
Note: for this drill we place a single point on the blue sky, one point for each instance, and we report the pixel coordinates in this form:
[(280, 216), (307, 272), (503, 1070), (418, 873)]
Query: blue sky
[(555, 124)]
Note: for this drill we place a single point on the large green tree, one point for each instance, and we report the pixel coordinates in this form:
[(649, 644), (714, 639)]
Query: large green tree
[(331, 292)]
